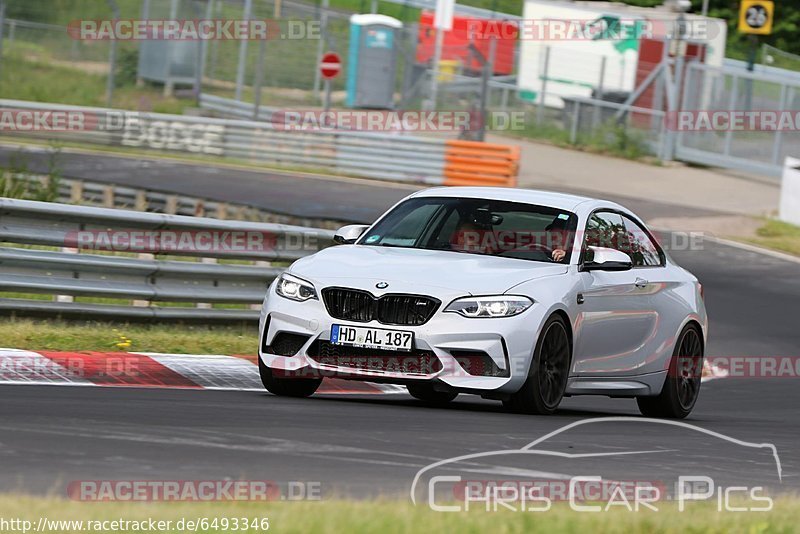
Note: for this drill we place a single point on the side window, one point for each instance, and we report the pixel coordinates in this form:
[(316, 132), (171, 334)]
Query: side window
[(643, 251), (606, 229)]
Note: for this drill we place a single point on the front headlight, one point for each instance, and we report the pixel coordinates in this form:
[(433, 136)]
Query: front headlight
[(294, 288), (497, 306)]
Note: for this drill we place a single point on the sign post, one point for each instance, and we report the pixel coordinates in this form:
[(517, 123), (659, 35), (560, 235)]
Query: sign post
[(442, 22), (329, 67), (755, 18)]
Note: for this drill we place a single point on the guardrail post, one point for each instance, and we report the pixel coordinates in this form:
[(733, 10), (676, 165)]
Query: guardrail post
[(108, 196), (143, 303), (67, 298), (76, 192), (206, 305), (171, 205), (140, 201)]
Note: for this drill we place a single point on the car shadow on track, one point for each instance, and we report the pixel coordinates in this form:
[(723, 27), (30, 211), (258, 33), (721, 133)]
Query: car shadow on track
[(465, 404)]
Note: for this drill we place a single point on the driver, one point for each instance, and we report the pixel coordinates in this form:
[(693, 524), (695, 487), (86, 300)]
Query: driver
[(466, 237), (474, 233), (557, 238)]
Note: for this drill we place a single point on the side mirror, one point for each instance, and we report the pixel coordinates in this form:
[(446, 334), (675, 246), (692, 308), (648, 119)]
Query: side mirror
[(606, 259), (347, 235)]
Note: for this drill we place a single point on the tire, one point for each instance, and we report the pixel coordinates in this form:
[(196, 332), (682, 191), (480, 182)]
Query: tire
[(547, 378), (682, 385), (287, 387), (428, 395)]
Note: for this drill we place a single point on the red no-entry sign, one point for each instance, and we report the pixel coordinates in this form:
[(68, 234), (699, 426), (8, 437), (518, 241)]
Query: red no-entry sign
[(331, 65)]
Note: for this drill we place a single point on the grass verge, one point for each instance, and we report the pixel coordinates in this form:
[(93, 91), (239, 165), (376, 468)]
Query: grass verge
[(29, 75), (778, 235), (96, 336), (606, 139), (388, 516)]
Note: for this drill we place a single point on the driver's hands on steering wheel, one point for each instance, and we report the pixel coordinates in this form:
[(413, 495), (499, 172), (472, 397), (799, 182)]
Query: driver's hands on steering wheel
[(558, 254)]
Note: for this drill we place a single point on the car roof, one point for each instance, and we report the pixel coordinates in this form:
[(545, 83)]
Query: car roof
[(562, 201)]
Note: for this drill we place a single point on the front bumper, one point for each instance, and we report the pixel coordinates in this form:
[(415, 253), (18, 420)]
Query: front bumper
[(508, 341)]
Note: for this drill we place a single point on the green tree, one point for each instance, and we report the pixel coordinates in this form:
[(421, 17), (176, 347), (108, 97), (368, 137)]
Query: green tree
[(785, 30)]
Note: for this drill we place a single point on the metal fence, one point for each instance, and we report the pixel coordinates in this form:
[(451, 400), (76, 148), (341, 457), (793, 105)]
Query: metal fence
[(731, 89), (213, 287)]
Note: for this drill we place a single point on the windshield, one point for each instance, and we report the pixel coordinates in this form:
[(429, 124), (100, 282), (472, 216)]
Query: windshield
[(478, 226)]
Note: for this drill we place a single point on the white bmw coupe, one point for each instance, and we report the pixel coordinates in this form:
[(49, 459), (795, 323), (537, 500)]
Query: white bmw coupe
[(516, 295)]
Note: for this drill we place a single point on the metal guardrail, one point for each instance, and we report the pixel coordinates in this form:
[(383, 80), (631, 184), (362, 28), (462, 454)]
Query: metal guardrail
[(364, 154), (353, 153), (142, 279), (89, 193), (235, 108)]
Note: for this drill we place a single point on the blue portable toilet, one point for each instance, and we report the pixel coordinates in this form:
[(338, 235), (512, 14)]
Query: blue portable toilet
[(372, 61)]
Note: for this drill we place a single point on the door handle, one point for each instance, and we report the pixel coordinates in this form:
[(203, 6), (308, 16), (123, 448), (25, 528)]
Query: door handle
[(641, 283)]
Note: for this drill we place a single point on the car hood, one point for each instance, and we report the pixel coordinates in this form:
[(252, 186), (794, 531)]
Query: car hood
[(418, 270)]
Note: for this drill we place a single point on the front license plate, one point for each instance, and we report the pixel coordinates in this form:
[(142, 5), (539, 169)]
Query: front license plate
[(372, 338)]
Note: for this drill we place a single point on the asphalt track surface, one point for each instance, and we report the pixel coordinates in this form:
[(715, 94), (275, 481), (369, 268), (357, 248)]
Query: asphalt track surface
[(351, 200), (367, 446)]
